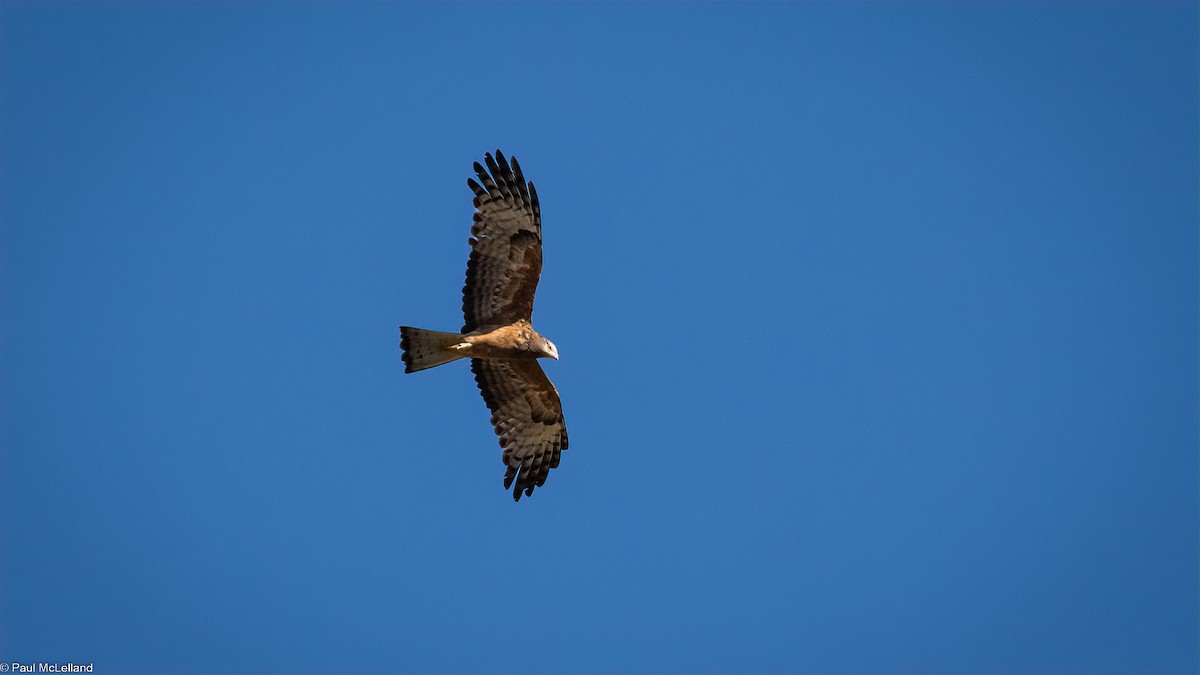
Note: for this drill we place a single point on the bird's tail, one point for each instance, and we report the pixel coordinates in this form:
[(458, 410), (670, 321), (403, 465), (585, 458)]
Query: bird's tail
[(427, 348)]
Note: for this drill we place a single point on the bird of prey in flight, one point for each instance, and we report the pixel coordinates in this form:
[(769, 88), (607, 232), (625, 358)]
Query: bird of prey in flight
[(498, 335)]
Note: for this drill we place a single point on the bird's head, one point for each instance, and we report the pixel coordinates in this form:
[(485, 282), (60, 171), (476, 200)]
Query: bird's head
[(548, 349)]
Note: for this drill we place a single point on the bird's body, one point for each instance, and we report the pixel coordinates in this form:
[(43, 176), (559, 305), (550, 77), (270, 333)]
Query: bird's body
[(515, 341), (428, 348), (498, 335)]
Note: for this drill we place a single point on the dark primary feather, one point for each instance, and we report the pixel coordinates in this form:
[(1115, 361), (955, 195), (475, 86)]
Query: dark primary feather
[(506, 246), (527, 416)]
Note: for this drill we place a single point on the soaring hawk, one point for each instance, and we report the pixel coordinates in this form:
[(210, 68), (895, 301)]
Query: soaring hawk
[(498, 336)]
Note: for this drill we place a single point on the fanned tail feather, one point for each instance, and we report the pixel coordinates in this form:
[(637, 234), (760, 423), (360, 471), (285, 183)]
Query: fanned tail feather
[(427, 348)]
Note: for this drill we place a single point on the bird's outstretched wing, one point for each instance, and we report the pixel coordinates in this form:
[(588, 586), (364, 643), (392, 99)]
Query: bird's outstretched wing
[(527, 416), (506, 247)]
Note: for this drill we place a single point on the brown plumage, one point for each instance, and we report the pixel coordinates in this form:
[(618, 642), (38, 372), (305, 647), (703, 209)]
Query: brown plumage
[(498, 334)]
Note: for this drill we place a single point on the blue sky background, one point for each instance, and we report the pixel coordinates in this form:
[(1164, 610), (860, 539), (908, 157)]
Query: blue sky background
[(878, 327)]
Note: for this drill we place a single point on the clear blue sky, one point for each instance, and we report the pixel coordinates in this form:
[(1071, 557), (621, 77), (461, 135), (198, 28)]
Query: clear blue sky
[(878, 327)]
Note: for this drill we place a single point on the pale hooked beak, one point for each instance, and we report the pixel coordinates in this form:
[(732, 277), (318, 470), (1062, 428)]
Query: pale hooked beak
[(551, 350)]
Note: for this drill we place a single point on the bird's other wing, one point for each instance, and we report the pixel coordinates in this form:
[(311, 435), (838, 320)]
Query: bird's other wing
[(506, 246), (528, 418)]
